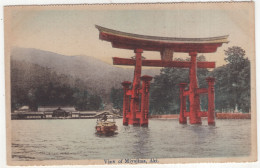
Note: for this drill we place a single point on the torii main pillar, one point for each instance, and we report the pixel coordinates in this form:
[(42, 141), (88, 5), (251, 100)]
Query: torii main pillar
[(134, 104), (193, 97)]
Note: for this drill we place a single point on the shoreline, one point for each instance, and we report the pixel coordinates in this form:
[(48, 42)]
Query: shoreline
[(164, 116), (233, 115), (218, 116)]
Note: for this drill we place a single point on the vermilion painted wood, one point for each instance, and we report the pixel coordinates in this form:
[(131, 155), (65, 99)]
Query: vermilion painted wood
[(126, 85), (148, 45), (182, 118), (203, 114), (145, 100), (161, 63), (193, 97), (201, 91), (186, 93), (137, 115), (186, 114), (211, 101), (134, 103), (129, 92)]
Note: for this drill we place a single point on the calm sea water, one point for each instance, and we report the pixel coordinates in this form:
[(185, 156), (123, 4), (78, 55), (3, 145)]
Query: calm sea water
[(76, 139)]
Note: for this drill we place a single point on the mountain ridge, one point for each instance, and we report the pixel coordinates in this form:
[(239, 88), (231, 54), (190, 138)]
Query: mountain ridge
[(99, 75)]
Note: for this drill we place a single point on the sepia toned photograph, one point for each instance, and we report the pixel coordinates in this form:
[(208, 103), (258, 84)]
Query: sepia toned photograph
[(123, 84)]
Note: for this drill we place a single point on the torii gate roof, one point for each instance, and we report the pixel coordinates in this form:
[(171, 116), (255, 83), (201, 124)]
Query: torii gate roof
[(155, 43)]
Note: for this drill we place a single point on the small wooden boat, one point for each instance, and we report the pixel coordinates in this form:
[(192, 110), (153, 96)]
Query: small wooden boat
[(106, 127)]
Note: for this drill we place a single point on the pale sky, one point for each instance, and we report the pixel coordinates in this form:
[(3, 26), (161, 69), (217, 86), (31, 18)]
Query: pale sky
[(71, 30)]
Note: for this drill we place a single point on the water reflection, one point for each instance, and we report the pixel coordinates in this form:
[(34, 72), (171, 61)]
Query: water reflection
[(102, 135), (141, 145)]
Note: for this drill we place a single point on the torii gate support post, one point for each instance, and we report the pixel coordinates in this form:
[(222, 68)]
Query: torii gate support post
[(126, 85), (194, 98), (211, 99), (182, 118), (145, 100), (134, 105)]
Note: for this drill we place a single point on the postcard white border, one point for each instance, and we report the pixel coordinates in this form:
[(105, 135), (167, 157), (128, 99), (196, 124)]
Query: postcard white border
[(2, 92)]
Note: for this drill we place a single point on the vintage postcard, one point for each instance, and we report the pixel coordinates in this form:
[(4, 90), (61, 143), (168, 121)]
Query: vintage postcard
[(124, 84)]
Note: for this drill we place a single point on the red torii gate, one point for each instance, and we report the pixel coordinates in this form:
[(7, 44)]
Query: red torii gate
[(135, 111)]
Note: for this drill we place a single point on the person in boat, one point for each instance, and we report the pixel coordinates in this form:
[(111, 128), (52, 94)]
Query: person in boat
[(104, 118)]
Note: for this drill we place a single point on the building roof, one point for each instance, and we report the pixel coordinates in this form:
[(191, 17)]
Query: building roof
[(125, 40), (52, 108), (28, 113), (88, 112), (24, 108)]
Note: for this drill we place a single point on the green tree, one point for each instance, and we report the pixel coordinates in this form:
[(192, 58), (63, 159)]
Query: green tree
[(233, 81), (94, 102), (116, 97), (35, 86), (81, 99), (164, 97), (235, 55)]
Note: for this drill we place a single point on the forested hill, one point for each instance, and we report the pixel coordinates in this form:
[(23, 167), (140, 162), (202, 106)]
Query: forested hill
[(98, 75), (45, 78), (35, 86), (232, 86)]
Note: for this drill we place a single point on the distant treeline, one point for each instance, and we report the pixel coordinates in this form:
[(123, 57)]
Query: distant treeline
[(35, 86), (232, 86)]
